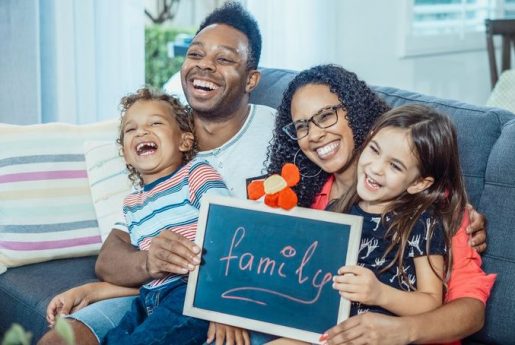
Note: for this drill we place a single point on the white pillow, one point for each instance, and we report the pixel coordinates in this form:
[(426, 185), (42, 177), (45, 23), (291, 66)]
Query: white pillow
[(46, 210), (109, 182)]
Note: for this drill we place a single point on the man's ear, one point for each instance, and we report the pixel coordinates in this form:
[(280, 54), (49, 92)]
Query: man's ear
[(421, 184), (252, 80), (186, 142)]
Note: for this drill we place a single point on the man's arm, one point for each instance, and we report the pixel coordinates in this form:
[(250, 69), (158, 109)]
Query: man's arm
[(120, 263), (451, 321)]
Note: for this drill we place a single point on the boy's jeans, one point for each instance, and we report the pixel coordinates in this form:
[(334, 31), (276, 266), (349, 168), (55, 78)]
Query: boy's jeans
[(156, 318)]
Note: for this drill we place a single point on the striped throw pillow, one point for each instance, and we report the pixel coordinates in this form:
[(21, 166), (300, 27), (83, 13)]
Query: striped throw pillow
[(108, 181), (46, 209)]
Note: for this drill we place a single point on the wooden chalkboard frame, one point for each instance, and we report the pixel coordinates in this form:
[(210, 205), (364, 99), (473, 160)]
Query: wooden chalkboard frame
[(354, 223)]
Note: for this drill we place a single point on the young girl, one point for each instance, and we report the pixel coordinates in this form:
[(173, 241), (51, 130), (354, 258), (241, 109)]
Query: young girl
[(157, 142), (411, 194)]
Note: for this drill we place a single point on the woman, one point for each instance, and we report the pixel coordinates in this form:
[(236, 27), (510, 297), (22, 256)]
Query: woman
[(325, 115)]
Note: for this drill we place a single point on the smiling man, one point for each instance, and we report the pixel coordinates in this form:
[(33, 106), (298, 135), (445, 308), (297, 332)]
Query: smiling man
[(218, 75)]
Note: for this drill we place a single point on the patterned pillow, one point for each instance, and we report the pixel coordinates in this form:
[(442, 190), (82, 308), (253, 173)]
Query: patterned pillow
[(46, 210), (108, 182)]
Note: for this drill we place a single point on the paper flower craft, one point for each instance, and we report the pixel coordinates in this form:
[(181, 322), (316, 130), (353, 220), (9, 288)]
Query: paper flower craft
[(277, 188)]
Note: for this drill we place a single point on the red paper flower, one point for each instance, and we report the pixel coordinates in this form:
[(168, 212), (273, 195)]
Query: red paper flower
[(276, 188)]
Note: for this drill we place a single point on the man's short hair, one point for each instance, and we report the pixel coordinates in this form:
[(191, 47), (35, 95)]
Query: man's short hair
[(233, 14)]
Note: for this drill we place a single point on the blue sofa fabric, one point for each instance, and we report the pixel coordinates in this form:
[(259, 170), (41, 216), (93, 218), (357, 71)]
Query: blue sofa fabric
[(487, 147)]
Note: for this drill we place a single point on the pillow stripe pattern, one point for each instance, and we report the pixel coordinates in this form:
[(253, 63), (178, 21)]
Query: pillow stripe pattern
[(109, 183), (46, 209)]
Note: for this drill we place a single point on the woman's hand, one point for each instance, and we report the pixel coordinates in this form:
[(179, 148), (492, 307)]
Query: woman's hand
[(477, 230), (358, 284), (229, 335), (368, 328)]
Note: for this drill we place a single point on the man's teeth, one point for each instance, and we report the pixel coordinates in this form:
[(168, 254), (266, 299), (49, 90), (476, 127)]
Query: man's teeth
[(207, 85), (325, 150)]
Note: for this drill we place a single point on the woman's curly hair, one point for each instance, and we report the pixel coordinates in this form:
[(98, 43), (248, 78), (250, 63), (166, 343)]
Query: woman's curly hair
[(181, 113), (363, 108)]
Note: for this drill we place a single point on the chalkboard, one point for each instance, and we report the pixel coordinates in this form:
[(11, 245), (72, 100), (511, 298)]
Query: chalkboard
[(270, 270)]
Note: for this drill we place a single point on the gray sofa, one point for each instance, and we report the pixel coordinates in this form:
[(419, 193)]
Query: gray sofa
[(487, 148)]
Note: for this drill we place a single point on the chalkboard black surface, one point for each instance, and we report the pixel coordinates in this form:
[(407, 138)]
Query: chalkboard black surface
[(271, 270)]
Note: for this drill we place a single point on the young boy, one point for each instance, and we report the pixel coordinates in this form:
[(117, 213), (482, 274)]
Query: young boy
[(157, 142)]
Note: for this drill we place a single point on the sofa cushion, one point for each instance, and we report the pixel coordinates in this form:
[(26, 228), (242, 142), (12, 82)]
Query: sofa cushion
[(26, 291), (46, 210), (108, 181), (498, 204)]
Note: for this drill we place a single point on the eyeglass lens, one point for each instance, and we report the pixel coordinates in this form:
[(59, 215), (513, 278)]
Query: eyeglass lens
[(324, 119)]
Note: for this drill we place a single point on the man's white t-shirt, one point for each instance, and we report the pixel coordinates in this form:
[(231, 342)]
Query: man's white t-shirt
[(244, 155)]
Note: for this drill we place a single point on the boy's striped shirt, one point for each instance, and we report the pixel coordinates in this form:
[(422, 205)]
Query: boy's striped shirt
[(170, 203)]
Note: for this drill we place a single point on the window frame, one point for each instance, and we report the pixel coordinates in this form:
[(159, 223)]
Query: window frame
[(414, 45)]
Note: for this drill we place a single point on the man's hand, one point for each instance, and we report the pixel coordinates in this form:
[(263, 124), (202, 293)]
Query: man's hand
[(224, 334), (476, 229), (368, 328), (171, 253)]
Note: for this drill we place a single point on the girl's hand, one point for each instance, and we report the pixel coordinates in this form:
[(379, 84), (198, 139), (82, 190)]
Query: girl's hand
[(229, 335), (358, 284), (66, 303)]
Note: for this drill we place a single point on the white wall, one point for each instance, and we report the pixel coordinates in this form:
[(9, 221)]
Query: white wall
[(365, 36)]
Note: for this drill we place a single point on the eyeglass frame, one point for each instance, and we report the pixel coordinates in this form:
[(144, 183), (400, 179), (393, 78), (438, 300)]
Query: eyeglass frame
[(311, 119)]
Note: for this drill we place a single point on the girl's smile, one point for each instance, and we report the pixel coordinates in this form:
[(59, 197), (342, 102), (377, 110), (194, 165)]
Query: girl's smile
[(387, 168)]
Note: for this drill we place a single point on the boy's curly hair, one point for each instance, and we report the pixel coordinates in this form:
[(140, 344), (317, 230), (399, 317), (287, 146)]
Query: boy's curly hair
[(363, 108), (181, 113)]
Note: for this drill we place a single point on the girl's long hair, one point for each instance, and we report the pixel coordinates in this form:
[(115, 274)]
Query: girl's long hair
[(434, 143), (363, 108)]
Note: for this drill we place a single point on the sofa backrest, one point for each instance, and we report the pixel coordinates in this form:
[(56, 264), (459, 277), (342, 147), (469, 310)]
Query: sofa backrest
[(486, 138)]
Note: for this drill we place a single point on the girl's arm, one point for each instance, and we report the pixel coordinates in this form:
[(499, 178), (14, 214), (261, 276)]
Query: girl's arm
[(360, 284), (78, 297)]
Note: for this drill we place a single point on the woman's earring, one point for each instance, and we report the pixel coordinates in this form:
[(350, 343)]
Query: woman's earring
[(300, 168)]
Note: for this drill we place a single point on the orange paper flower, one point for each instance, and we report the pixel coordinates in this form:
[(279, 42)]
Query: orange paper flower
[(277, 188)]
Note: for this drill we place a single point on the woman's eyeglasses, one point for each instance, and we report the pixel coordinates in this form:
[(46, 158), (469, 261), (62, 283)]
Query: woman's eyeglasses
[(324, 118)]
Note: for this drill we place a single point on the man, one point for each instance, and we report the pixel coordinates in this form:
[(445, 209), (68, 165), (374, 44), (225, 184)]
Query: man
[(218, 75)]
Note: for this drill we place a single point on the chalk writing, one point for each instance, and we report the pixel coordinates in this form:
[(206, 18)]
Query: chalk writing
[(246, 262)]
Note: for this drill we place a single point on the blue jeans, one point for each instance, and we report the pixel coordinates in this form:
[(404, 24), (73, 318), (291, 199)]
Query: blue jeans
[(156, 318), (100, 317)]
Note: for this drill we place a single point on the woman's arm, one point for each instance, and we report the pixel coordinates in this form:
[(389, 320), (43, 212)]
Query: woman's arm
[(451, 321), (360, 284)]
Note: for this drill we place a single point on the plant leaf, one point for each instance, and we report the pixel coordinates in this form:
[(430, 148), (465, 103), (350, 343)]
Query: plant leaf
[(16, 335)]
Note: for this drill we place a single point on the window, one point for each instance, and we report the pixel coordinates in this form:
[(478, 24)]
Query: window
[(443, 26)]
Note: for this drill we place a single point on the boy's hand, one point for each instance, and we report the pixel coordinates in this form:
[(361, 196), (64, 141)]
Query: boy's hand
[(358, 284), (224, 334), (66, 303), (171, 253)]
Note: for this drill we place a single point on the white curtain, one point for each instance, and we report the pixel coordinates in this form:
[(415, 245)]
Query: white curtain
[(74, 58), (297, 34)]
